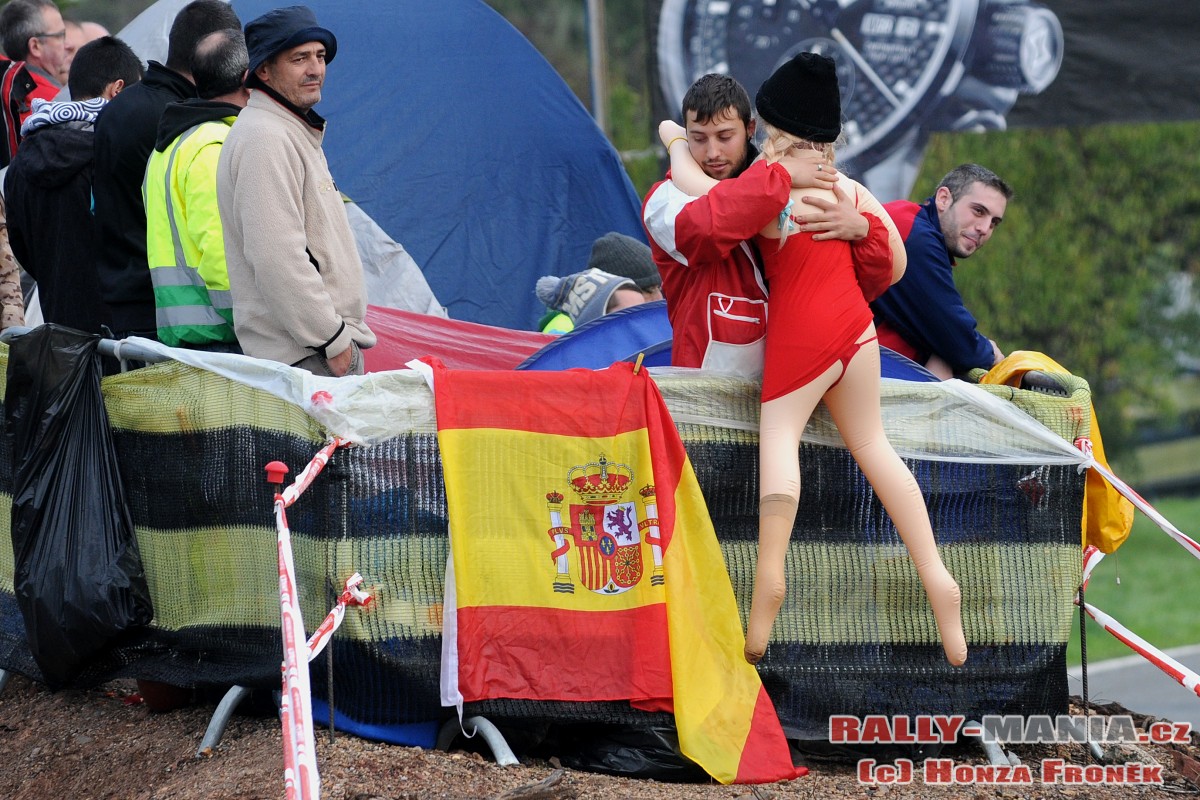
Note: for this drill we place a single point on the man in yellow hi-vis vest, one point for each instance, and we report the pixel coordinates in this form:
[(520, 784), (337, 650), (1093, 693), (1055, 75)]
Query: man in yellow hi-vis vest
[(184, 240)]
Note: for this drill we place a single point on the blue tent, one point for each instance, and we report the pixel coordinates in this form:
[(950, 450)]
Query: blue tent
[(455, 135), (645, 330), (620, 336)]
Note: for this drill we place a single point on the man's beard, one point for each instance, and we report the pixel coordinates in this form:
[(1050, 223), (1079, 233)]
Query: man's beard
[(748, 156), (955, 249)]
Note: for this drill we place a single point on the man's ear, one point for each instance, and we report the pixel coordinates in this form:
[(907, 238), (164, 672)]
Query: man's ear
[(750, 128), (263, 72), (34, 46), (113, 89), (943, 199)]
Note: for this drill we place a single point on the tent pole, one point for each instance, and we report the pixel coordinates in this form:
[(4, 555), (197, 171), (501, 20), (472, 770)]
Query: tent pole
[(597, 62)]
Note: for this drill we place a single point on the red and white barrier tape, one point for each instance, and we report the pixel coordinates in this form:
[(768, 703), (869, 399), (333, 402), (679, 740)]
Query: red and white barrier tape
[(1178, 672), (1150, 511), (300, 778), (306, 476), (1092, 557), (351, 596)]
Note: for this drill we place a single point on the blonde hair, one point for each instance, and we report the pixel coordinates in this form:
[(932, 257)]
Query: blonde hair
[(777, 143)]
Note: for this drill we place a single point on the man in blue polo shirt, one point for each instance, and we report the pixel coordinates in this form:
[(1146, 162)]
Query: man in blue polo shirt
[(923, 316)]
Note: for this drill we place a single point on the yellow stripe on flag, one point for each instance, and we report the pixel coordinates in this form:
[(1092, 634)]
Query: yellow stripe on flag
[(496, 494)]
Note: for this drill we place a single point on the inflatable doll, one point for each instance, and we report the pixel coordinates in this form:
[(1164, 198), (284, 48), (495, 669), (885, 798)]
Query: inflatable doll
[(820, 346)]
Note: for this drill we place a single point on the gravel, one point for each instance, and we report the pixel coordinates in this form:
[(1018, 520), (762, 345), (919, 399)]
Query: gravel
[(105, 743)]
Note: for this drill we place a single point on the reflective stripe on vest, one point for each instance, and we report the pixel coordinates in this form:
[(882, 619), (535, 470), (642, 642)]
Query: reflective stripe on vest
[(190, 276), (191, 316)]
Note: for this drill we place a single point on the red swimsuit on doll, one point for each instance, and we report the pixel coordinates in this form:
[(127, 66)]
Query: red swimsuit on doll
[(816, 309)]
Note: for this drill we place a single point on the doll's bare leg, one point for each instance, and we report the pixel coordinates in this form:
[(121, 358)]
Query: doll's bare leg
[(781, 423), (776, 516), (854, 405)]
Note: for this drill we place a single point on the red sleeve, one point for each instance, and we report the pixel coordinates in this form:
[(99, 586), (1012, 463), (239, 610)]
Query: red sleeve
[(873, 259), (903, 214), (709, 227)]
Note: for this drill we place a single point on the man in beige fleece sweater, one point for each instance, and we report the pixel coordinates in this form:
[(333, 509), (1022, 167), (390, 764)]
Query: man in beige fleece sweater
[(294, 273)]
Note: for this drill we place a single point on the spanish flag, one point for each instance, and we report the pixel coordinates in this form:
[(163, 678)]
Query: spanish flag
[(585, 566)]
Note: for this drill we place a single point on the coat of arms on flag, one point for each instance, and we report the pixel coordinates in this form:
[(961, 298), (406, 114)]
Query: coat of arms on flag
[(603, 530)]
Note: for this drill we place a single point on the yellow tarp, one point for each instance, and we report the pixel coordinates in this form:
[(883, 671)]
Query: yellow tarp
[(1107, 516)]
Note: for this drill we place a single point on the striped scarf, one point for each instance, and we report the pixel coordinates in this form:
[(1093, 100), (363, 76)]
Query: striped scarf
[(46, 112)]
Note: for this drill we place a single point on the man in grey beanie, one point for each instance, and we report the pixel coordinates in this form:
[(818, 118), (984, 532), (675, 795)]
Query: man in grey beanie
[(623, 255), (618, 256)]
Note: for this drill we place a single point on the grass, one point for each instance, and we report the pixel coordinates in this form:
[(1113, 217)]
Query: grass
[(1157, 586)]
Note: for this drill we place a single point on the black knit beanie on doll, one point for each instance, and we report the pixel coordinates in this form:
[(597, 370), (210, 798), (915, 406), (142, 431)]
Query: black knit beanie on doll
[(802, 98)]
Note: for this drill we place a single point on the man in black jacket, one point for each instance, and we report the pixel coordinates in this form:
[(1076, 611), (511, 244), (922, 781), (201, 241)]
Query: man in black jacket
[(125, 135), (48, 187)]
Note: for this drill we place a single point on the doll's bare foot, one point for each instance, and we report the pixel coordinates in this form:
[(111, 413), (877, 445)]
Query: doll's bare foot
[(946, 600), (770, 587), (758, 631), (776, 515)]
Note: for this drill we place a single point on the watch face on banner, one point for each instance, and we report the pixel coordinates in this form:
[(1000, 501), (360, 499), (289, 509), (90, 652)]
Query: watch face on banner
[(891, 54), (898, 61)]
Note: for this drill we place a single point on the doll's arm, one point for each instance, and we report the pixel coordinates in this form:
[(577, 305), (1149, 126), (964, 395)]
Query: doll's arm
[(867, 204), (685, 172)]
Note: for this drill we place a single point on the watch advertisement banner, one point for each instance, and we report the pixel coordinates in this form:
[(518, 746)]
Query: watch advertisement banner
[(1122, 62), (910, 67)]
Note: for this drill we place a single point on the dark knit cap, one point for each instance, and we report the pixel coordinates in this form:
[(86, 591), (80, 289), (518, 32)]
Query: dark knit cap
[(282, 29), (802, 98), (623, 255)]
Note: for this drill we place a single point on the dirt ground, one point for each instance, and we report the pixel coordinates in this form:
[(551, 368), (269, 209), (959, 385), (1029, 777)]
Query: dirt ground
[(105, 743)]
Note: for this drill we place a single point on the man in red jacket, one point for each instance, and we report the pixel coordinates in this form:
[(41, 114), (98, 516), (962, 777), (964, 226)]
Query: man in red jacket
[(715, 293), (33, 31)]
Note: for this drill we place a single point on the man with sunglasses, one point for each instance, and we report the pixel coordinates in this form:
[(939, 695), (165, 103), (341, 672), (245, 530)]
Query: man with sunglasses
[(32, 31)]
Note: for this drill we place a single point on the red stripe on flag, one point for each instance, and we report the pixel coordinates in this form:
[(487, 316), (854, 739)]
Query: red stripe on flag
[(593, 571), (497, 400), (555, 654), (766, 757)]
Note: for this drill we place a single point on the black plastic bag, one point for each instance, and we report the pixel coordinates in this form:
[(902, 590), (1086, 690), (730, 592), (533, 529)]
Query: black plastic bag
[(78, 575), (648, 752)]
